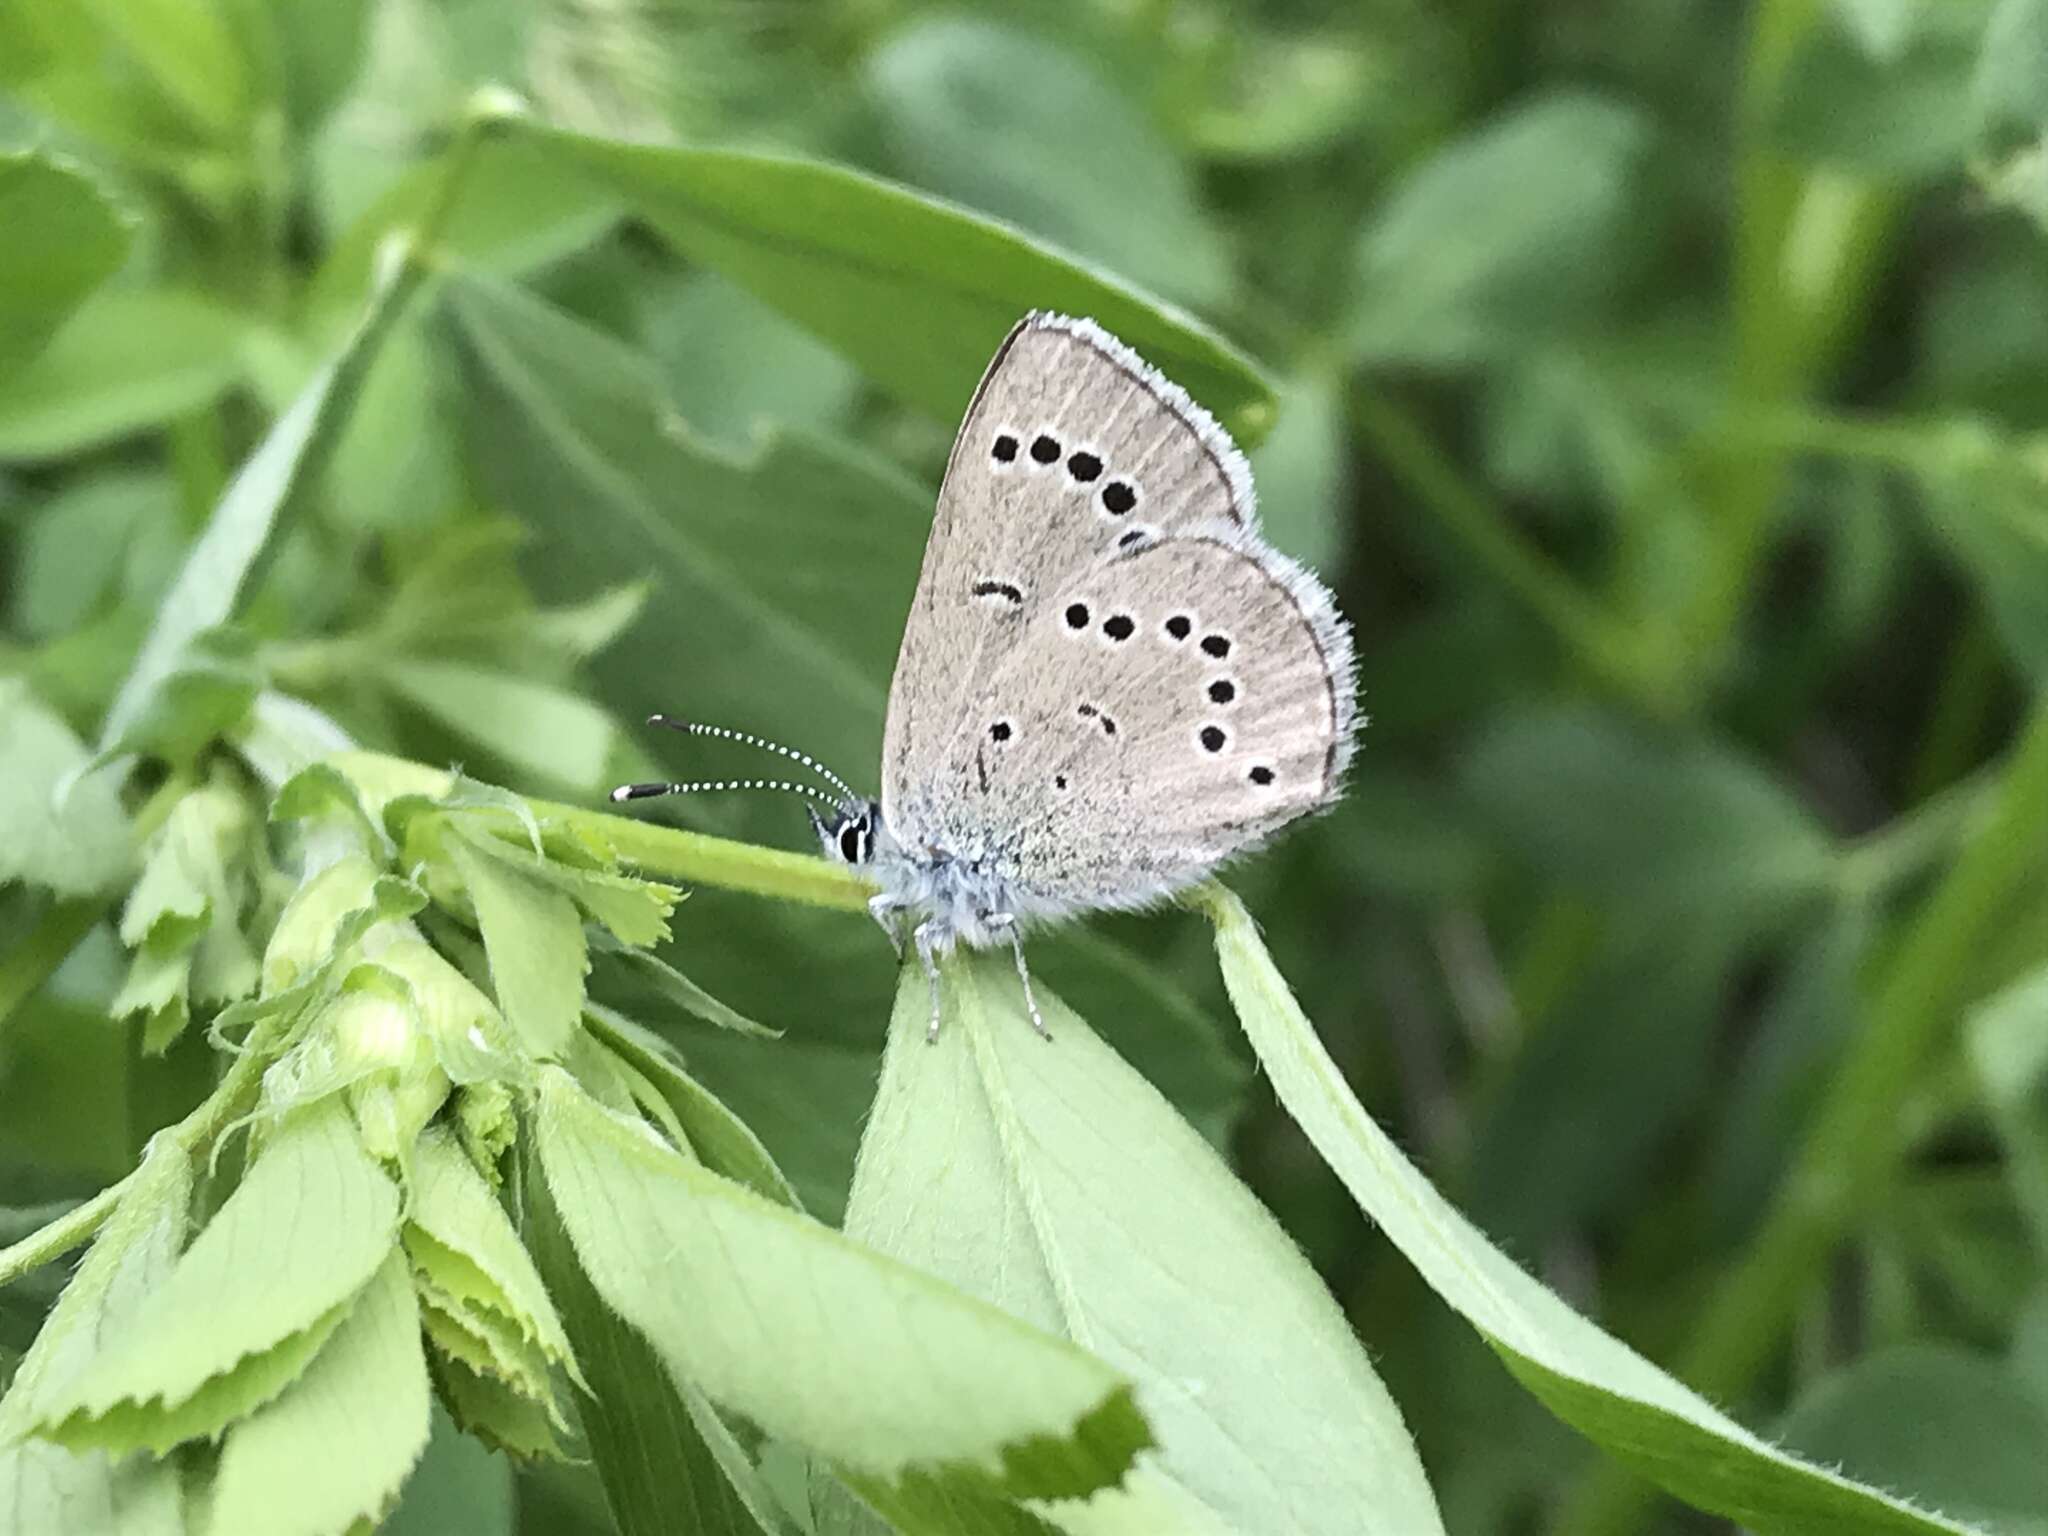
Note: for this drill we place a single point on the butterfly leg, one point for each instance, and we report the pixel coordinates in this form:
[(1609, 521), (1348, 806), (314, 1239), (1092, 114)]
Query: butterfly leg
[(1006, 922), (925, 936), (883, 909)]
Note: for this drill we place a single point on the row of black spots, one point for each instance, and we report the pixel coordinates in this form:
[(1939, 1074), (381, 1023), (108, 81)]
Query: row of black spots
[(1118, 626), (1090, 712), (1008, 591), (1118, 497), (1179, 626)]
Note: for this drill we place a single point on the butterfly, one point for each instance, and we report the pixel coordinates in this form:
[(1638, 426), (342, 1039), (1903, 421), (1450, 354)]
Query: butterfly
[(1109, 682)]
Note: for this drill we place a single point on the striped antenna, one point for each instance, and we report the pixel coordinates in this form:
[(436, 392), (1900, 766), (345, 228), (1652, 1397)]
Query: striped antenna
[(747, 738), (698, 786)]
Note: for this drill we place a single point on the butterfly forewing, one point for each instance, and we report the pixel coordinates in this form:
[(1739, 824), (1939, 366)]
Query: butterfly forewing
[(1072, 452)]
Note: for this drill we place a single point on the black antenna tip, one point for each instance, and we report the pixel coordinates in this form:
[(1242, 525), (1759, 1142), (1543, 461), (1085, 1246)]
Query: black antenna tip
[(670, 721), (640, 792)]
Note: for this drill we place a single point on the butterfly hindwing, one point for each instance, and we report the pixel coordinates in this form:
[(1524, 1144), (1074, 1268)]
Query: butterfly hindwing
[(1159, 712)]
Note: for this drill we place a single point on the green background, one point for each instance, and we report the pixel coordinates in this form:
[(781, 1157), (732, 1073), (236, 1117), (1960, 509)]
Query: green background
[(1660, 387)]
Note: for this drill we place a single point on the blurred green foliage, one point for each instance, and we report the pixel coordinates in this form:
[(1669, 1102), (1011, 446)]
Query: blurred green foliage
[(1661, 386)]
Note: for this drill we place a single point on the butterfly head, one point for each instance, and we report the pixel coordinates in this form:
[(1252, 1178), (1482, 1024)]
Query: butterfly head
[(850, 832)]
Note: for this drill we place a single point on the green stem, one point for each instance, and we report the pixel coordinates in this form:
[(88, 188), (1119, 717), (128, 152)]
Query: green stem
[(1855, 1142), (666, 852), (1807, 244), (1601, 644)]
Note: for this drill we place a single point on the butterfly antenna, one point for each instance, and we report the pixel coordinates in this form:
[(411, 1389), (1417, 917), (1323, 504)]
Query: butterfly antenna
[(749, 739), (700, 786)]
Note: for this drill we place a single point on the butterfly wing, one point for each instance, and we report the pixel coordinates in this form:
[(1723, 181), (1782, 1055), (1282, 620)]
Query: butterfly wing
[(1161, 711), (1073, 450)]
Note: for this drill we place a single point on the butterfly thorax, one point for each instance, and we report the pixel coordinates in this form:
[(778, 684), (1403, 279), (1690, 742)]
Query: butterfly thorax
[(965, 900)]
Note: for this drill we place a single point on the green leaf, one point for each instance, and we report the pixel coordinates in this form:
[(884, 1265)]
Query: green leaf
[(189, 53), (1052, 1180), (1902, 117), (57, 829), (535, 942), (571, 436), (2011, 82), (315, 50), (659, 979), (322, 790), (632, 910), (1873, 1420), (1984, 503), (721, 1140), (521, 207), (1287, 93), (915, 292), (647, 1439), (1650, 823), (484, 1342), (533, 727), (207, 693), (229, 555), (64, 238), (82, 541), (127, 360), (272, 1272), (336, 1445), (1590, 1380), (2007, 1039), (470, 1039), (735, 368), (1506, 234), (503, 1419), (460, 1234), (396, 462), (129, 1259), (184, 916), (1043, 138), (48, 1490), (817, 1339)]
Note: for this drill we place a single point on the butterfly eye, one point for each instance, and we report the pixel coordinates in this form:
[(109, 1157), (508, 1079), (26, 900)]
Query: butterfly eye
[(849, 841)]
